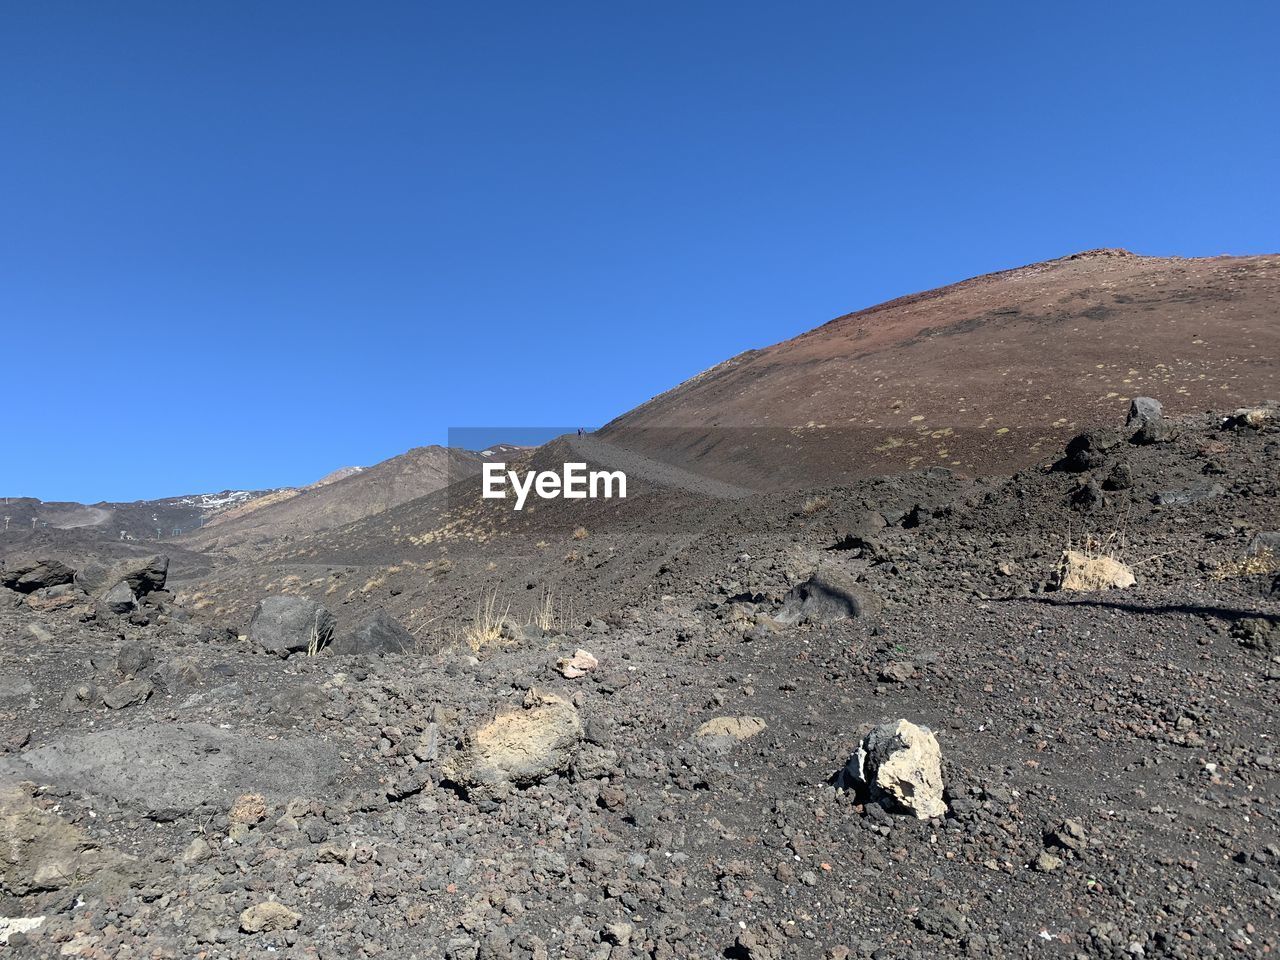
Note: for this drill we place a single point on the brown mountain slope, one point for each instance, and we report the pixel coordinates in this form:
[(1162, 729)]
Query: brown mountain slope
[(983, 375), (325, 505)]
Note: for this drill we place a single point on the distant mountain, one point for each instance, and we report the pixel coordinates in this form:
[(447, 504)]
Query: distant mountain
[(138, 520), (339, 498), (985, 375)]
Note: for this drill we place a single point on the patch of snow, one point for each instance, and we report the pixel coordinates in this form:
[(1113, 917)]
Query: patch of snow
[(11, 925), (215, 501)]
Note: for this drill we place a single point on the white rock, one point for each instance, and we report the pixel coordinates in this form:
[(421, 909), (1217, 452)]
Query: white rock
[(579, 665), (900, 764)]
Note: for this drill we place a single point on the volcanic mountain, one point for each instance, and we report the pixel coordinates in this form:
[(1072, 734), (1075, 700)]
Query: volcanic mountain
[(353, 495), (984, 375)]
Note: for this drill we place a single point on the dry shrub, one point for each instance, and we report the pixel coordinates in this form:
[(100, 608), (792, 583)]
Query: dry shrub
[(1262, 563), (815, 505), (1095, 564), (580, 533)]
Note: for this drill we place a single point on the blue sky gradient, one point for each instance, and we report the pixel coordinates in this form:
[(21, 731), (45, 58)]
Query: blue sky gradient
[(244, 244)]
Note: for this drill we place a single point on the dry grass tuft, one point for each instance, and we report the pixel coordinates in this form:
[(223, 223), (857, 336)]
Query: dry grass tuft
[(485, 628), (580, 533), (316, 640), (545, 615), (815, 505), (1095, 564)]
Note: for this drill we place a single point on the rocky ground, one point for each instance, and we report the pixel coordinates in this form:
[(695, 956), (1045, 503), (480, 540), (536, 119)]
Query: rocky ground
[(666, 762)]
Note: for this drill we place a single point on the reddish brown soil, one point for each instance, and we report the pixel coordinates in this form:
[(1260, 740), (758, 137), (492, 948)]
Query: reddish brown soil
[(982, 376)]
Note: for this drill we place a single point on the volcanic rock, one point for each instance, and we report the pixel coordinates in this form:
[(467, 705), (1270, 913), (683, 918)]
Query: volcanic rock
[(1155, 431), (17, 926), (1253, 418), (897, 671), (1265, 544), (119, 599), (167, 767), (285, 625), (1120, 477), (827, 596), (128, 694), (579, 665), (1086, 451), (378, 634), (133, 657), (27, 576), (40, 633), (41, 851), (1088, 496), (269, 917), (82, 695), (1143, 410), (899, 764), (520, 746), (1081, 571), (142, 575), (1196, 493)]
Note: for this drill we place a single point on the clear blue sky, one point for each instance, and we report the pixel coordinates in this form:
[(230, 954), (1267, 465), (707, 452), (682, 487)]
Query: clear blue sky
[(242, 244)]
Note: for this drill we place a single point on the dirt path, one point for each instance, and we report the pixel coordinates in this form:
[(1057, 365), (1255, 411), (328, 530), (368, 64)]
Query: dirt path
[(635, 464), (84, 517)]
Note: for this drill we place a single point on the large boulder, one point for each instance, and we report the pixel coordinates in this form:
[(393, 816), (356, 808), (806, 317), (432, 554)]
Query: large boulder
[(1086, 451), (287, 625), (518, 747), (379, 633), (827, 596), (142, 575), (119, 599), (29, 575), (899, 766), (1143, 410)]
